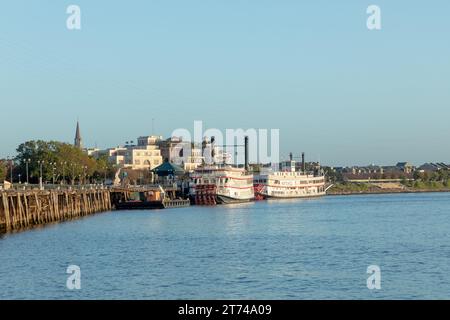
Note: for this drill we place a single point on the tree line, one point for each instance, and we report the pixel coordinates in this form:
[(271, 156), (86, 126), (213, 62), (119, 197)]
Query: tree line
[(3, 170), (57, 162)]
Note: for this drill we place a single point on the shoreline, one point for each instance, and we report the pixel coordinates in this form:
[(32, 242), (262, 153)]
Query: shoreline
[(387, 191)]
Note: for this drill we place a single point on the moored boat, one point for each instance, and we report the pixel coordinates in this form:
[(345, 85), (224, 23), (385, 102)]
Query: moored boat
[(150, 198), (213, 185), (289, 183)]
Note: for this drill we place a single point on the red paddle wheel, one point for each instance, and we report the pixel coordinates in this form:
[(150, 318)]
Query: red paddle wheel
[(258, 189), (205, 194)]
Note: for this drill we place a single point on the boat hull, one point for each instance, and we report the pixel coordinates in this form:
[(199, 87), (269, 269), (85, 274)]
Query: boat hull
[(139, 205), (227, 200), (143, 205), (216, 200), (267, 197)]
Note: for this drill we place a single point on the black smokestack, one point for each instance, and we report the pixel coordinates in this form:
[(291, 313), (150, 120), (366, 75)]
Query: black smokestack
[(203, 144), (213, 153), (246, 152), (303, 162), (290, 156)]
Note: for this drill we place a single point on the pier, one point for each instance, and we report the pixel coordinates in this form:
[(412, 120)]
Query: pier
[(22, 209), (26, 208)]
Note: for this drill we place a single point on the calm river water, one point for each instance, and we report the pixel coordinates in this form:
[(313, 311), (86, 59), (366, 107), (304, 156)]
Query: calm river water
[(301, 249)]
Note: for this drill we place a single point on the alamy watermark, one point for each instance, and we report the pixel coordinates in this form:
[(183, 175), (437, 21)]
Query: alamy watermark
[(374, 280), (374, 19), (218, 147), (73, 22), (74, 280)]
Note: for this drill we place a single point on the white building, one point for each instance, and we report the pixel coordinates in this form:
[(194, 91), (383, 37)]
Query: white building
[(93, 152), (146, 155), (116, 156), (194, 160)]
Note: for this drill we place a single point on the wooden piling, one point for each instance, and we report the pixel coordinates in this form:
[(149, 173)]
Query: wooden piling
[(27, 208)]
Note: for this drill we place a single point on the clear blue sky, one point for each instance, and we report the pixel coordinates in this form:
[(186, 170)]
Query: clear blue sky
[(310, 68)]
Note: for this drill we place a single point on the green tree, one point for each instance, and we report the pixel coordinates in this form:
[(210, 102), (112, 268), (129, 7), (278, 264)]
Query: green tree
[(417, 175), (33, 152), (2, 171), (442, 175), (332, 175), (74, 164), (60, 161), (403, 181), (104, 169)]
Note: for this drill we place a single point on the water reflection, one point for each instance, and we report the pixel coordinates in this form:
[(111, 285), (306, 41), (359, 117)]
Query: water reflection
[(292, 249)]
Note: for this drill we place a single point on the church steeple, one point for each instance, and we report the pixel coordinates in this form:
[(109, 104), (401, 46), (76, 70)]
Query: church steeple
[(78, 141)]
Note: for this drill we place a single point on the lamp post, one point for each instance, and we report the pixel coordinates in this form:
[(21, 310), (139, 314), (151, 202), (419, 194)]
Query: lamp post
[(53, 171), (27, 162), (73, 177), (10, 160), (41, 163), (84, 174), (63, 179), (20, 181)]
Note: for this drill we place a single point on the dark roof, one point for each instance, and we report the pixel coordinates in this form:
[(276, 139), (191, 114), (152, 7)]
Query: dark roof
[(443, 165), (168, 168), (404, 164), (433, 166)]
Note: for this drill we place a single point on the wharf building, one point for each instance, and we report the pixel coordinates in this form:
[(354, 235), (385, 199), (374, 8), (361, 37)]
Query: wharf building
[(146, 155)]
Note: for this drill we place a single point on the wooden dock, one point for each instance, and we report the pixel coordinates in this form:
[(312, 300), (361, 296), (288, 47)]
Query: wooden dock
[(27, 208), (22, 209)]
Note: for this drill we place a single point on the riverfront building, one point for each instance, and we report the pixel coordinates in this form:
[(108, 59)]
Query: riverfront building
[(152, 151), (116, 156), (146, 155), (173, 150), (194, 160)]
